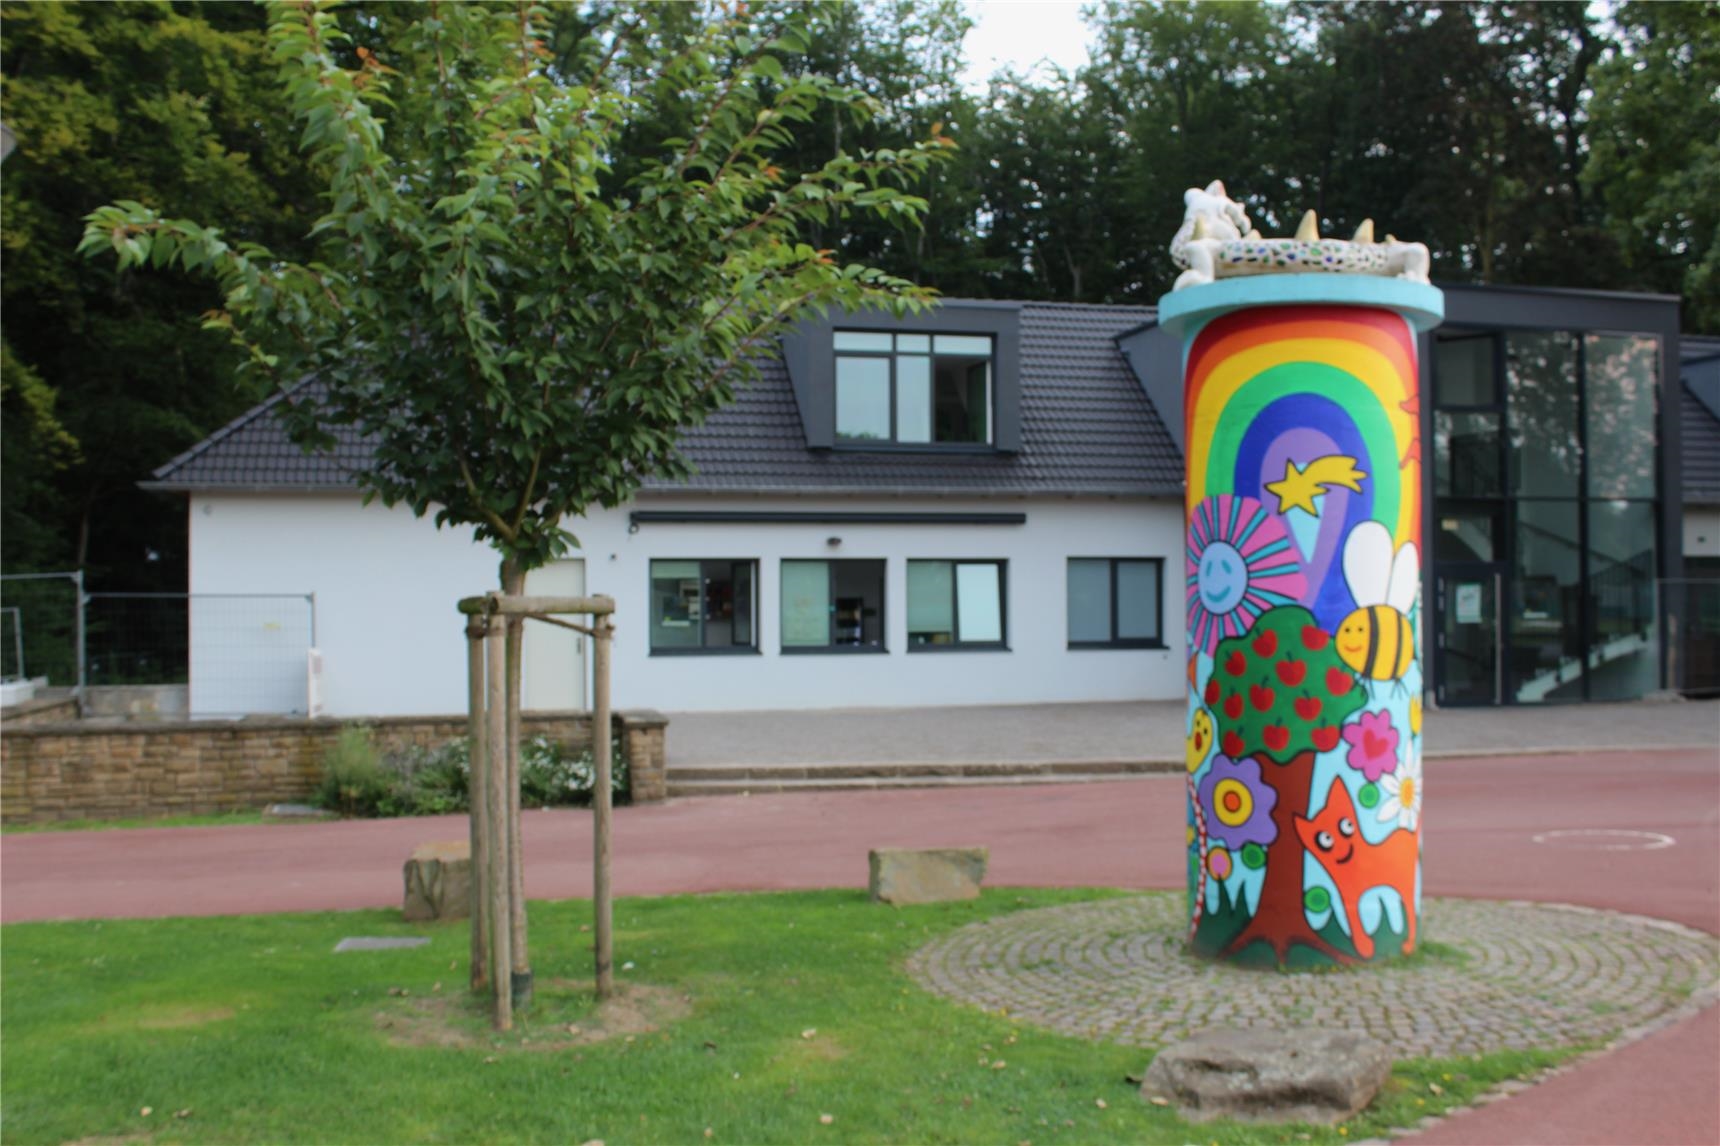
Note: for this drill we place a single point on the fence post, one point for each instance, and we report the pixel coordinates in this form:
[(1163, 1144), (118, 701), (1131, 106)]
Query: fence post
[(79, 630)]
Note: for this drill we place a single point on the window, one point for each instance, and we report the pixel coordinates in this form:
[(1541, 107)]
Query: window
[(1115, 602), (703, 606), (913, 389), (955, 604), (832, 606)]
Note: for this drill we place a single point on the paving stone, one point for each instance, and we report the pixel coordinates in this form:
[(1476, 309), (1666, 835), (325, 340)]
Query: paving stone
[(1528, 975)]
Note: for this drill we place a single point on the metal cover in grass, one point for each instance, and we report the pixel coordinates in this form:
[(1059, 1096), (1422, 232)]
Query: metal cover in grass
[(378, 942)]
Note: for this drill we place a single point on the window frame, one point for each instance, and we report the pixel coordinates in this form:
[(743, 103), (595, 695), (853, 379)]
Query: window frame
[(1117, 642), (957, 645), (703, 650), (931, 355), (831, 648)]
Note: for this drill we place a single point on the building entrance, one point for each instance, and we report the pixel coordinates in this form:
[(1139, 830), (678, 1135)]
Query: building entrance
[(1470, 645)]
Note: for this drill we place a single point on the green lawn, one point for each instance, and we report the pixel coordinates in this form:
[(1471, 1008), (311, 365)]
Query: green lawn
[(250, 1029), (202, 820)]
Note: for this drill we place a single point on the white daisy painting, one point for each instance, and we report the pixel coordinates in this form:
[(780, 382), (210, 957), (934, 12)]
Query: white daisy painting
[(1402, 792)]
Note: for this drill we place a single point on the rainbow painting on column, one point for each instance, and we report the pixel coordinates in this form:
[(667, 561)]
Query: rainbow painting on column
[(1304, 468)]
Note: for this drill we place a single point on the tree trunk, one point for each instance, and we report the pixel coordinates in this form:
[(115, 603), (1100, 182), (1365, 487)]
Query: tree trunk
[(1279, 919), (513, 585)]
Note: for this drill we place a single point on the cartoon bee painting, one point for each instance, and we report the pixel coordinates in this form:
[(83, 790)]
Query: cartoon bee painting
[(1377, 639)]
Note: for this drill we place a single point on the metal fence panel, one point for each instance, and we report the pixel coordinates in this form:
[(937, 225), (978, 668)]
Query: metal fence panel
[(137, 638), (43, 632), (249, 654)]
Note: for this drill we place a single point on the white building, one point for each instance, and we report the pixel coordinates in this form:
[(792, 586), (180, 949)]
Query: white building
[(979, 506), (983, 505)]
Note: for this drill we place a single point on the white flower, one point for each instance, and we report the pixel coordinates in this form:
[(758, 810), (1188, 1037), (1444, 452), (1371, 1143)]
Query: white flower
[(1402, 793)]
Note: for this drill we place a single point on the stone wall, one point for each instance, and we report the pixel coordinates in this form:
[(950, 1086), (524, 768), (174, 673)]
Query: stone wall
[(68, 770), (41, 710)]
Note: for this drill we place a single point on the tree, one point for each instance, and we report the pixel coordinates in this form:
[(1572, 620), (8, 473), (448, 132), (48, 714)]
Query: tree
[(106, 375), (519, 321), (1656, 144), (1279, 695)]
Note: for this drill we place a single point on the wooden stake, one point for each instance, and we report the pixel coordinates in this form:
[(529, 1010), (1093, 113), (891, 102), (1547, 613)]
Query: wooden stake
[(521, 968), (501, 935), (476, 631), (490, 604), (600, 737)]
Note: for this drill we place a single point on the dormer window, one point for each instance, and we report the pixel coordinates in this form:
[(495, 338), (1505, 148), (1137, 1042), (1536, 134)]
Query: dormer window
[(913, 389)]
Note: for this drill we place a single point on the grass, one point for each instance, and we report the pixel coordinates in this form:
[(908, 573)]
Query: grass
[(204, 820), (250, 1029)]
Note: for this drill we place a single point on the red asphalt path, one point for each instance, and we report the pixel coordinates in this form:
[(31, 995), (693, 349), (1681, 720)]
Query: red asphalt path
[(1482, 817)]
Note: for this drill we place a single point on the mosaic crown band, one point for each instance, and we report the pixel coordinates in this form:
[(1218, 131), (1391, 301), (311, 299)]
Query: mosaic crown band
[(1304, 477)]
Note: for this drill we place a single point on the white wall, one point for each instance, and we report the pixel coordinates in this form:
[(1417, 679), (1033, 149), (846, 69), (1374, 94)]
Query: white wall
[(1701, 531), (386, 583)]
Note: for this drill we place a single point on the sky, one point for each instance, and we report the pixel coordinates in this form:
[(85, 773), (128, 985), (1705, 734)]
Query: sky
[(1023, 33)]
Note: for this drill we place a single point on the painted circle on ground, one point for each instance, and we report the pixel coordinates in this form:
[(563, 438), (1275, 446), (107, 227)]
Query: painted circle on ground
[(1604, 839), (1223, 577), (1253, 856), (1317, 899), (1369, 796)]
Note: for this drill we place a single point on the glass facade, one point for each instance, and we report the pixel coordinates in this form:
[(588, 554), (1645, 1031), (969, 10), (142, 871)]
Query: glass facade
[(1544, 529)]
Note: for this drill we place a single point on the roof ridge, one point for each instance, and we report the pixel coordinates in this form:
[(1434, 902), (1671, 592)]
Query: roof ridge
[(166, 469)]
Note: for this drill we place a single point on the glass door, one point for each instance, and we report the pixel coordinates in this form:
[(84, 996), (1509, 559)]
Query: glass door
[(1469, 654)]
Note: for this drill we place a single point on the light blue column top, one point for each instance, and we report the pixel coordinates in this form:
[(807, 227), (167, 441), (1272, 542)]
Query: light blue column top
[(1184, 312)]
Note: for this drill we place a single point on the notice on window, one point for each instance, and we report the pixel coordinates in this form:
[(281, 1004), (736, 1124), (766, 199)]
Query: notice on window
[(1469, 603)]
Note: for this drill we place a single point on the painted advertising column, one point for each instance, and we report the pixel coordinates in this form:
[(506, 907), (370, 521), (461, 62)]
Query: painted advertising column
[(1302, 434)]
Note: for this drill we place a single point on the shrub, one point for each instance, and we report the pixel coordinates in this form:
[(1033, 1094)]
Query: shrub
[(551, 776), (427, 781), (415, 781), (353, 781)]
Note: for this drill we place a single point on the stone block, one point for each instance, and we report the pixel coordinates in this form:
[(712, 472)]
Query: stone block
[(439, 881), (1319, 1076), (927, 875)]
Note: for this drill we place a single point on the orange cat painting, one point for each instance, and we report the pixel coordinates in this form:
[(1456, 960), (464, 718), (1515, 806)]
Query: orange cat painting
[(1357, 866)]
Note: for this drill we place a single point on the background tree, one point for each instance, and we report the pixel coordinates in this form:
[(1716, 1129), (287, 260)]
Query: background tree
[(1656, 141), (106, 376), (522, 326)]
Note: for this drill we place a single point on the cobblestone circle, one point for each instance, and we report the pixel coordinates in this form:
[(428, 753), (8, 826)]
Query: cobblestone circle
[(1535, 975)]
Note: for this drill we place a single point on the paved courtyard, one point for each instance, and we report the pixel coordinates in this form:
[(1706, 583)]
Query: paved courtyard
[(1135, 731), (1630, 831), (1504, 976)]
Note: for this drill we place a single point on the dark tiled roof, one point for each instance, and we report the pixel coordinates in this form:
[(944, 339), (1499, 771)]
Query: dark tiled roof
[(253, 452), (1087, 428)]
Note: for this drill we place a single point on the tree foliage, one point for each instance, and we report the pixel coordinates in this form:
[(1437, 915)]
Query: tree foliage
[(521, 324), (1525, 142), (106, 376)]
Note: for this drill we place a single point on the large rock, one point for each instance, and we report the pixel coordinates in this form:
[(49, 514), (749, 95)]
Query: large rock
[(1269, 1076), (439, 881), (928, 875)]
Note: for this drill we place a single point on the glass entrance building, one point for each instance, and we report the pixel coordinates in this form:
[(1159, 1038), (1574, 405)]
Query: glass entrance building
[(1552, 494)]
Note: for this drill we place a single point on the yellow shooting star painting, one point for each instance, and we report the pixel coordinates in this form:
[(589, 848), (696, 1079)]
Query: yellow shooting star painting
[(1300, 486)]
